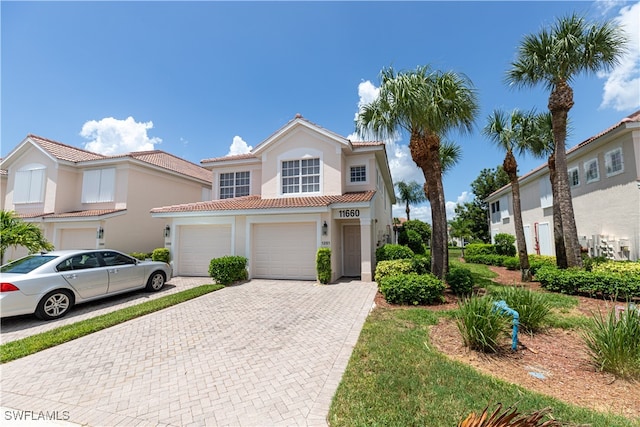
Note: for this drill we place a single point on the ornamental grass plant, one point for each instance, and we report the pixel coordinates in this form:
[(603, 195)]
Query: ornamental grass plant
[(481, 327), (533, 307)]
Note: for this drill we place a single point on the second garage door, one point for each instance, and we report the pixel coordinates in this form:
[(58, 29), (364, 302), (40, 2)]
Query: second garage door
[(199, 244), (284, 251)]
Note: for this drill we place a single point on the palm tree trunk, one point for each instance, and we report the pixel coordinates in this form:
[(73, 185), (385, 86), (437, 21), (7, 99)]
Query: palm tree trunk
[(511, 167), (558, 234), (407, 210), (560, 102), (439, 237)]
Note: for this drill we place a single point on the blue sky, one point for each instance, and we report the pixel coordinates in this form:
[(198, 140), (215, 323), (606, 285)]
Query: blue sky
[(204, 79)]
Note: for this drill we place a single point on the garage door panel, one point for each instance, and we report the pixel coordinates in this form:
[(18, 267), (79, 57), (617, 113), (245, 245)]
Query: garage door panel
[(284, 251), (199, 244), (77, 238)]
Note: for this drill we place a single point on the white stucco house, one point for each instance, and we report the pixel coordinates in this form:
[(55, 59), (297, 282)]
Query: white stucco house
[(86, 200), (604, 174), (302, 188)]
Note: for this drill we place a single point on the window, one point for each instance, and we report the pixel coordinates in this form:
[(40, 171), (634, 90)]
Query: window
[(29, 184), (574, 177), (591, 171), (358, 174), (301, 176), (98, 185), (495, 207), (613, 162), (234, 184)]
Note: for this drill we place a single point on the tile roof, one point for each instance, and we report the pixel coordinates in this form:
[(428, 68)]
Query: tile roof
[(74, 214), (257, 202), (155, 157), (227, 158)]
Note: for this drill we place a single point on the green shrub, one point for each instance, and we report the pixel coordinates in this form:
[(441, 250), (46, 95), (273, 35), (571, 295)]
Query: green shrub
[(481, 327), (228, 269), (393, 251), (421, 264), (588, 262), (614, 344), (414, 242), (488, 259), (141, 255), (538, 261), (604, 284), (393, 268), (161, 254), (511, 263), (532, 307), (323, 265), (460, 280), (422, 228), (473, 249), (412, 289), (505, 244)]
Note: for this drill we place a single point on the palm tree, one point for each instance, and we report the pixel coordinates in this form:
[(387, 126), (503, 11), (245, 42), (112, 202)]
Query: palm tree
[(509, 134), (426, 105), (543, 147), (554, 57), (410, 193), (15, 232)]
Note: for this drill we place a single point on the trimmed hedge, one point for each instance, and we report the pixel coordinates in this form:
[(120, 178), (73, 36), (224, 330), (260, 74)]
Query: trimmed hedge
[(473, 249), (392, 251), (323, 265), (228, 269), (574, 281), (488, 259), (460, 280), (161, 254), (412, 289)]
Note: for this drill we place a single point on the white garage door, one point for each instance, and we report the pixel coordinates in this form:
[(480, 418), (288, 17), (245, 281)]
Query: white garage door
[(77, 238), (284, 251), (199, 244)]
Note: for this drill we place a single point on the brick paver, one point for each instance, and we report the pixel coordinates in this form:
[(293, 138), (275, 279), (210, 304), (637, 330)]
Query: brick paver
[(263, 353)]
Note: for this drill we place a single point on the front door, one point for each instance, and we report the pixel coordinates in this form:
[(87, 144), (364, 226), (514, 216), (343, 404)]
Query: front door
[(352, 259)]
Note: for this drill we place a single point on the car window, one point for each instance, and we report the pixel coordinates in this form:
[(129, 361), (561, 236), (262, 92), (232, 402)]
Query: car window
[(112, 259), (26, 264), (79, 262)]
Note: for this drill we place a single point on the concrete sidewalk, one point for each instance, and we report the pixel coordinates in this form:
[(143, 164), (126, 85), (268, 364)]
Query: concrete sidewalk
[(263, 353)]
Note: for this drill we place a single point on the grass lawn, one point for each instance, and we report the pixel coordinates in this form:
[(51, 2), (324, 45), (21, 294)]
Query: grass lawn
[(395, 377)]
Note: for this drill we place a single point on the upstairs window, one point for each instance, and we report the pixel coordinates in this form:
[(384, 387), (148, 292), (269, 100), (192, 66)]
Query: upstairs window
[(574, 177), (234, 184), (591, 172), (29, 184), (495, 207), (358, 173), (98, 185), (301, 176), (613, 162)]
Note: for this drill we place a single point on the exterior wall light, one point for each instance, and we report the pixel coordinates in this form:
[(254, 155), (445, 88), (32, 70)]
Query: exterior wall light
[(325, 229), (167, 231), (100, 233)]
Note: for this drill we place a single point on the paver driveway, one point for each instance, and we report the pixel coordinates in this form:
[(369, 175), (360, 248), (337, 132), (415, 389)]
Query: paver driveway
[(261, 353)]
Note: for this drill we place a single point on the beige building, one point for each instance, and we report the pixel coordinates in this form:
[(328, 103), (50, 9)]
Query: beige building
[(302, 188), (85, 200), (604, 174)]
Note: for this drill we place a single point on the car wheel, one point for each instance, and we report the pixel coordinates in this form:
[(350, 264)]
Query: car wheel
[(156, 281), (55, 304)]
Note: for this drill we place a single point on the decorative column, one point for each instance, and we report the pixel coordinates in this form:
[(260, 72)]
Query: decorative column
[(365, 250)]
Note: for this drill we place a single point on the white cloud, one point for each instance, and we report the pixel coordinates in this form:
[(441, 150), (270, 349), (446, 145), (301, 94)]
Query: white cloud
[(622, 86), (238, 146), (462, 199), (111, 136)]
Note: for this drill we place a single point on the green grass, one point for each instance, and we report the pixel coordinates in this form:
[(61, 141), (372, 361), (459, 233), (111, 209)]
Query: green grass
[(29, 345), (395, 378)]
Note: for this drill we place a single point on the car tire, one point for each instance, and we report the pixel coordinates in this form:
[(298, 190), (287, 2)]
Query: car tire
[(55, 304), (156, 281)]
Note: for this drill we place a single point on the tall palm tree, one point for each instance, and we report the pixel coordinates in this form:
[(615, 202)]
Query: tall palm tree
[(543, 147), (511, 134), (410, 194), (554, 57), (16, 232), (427, 105)]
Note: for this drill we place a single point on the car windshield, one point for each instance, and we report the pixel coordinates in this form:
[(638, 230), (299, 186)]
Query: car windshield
[(26, 264)]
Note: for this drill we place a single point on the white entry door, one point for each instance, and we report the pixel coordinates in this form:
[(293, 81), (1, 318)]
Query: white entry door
[(544, 238), (352, 258)]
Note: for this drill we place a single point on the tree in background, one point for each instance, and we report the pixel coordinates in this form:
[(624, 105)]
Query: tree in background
[(553, 58), (15, 232), (513, 133), (476, 212), (410, 194), (427, 105)]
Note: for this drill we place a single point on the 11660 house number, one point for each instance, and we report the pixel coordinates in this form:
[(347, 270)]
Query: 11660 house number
[(349, 213)]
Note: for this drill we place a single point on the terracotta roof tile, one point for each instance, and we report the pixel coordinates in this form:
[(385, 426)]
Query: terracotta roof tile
[(63, 151), (257, 202), (227, 158), (74, 214)]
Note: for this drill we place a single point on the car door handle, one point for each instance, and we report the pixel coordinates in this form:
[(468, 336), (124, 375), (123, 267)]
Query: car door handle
[(114, 271), (71, 276)]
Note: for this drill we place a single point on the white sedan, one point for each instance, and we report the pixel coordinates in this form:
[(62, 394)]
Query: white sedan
[(50, 283)]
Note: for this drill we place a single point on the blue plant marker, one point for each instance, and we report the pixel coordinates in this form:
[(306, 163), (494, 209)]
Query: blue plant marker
[(502, 308)]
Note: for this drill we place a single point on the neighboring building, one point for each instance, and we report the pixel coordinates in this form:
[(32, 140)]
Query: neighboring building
[(604, 174), (302, 188), (85, 200)]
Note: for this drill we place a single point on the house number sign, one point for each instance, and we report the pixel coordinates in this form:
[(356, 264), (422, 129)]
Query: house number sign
[(349, 213)]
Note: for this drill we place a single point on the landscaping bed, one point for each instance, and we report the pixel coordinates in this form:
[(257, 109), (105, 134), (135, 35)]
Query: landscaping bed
[(553, 362)]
